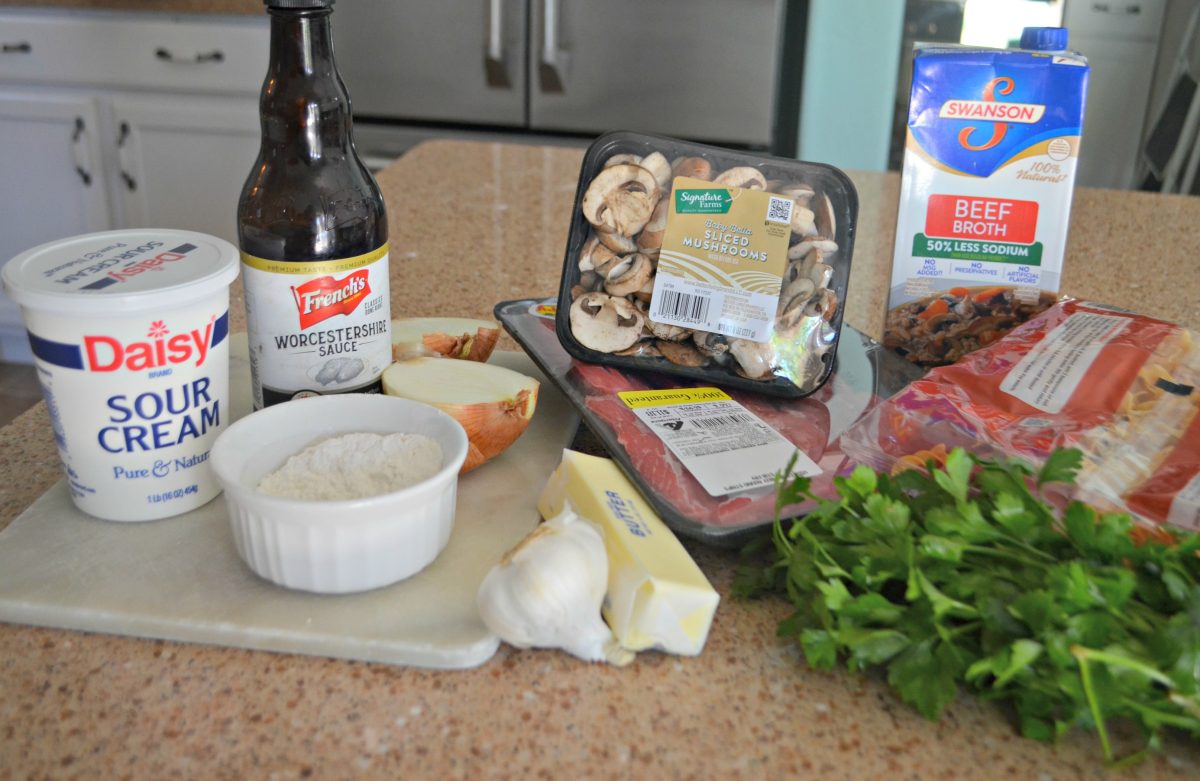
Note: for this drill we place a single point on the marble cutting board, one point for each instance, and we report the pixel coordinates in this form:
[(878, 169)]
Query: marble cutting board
[(181, 578)]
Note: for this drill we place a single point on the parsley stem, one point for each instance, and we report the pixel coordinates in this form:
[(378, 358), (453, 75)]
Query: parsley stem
[(1006, 554), (1116, 660), (1085, 676), (1164, 717)]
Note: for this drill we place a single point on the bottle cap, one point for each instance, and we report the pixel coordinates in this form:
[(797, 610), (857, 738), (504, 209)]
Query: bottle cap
[(1044, 39), (298, 4)]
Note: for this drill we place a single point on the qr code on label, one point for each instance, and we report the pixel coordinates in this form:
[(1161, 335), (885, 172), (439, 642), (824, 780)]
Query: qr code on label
[(780, 209)]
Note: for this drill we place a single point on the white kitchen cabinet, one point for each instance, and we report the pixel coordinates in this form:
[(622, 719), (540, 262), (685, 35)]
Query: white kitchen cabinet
[(181, 162), (50, 151), (122, 120)]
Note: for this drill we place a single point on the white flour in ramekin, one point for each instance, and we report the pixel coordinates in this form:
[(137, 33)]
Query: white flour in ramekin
[(355, 466)]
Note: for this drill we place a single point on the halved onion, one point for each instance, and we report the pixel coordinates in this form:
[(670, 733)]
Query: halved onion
[(451, 337), (492, 403)]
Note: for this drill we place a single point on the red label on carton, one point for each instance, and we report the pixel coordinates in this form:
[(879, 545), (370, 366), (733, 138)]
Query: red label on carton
[(968, 217)]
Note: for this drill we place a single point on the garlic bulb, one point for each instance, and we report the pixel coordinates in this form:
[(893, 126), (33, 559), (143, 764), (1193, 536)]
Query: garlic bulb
[(547, 592)]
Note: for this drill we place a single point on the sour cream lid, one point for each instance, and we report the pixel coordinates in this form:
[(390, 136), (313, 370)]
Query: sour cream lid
[(119, 272)]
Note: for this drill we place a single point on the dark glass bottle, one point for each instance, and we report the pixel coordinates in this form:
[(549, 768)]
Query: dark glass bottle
[(312, 226)]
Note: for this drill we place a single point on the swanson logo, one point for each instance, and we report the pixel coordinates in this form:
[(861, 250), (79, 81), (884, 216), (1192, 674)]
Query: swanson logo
[(991, 110), (702, 201)]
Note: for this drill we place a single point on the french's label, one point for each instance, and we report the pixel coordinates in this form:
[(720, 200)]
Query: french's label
[(317, 327)]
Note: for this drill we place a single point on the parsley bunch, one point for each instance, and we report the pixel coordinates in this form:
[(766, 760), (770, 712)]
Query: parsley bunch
[(964, 576)]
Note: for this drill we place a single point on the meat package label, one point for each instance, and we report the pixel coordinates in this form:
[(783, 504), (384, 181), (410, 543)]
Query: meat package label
[(727, 448), (723, 256)]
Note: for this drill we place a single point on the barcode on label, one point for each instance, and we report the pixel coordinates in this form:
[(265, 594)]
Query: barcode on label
[(780, 209), (716, 421), (683, 306)]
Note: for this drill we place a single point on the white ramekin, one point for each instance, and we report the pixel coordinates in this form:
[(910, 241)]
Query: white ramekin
[(336, 547)]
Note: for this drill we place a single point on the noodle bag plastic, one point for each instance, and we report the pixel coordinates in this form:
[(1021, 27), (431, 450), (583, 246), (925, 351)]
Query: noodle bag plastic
[(1121, 387)]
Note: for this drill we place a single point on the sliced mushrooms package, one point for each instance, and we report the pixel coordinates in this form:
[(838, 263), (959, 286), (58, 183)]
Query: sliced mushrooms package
[(709, 263)]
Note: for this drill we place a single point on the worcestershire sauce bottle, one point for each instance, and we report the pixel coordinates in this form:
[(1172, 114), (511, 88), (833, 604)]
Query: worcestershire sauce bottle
[(312, 227)]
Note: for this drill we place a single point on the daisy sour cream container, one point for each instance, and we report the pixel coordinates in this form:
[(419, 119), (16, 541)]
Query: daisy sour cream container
[(129, 331)]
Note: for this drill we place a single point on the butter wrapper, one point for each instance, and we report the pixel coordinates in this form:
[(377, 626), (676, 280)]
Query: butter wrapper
[(657, 596)]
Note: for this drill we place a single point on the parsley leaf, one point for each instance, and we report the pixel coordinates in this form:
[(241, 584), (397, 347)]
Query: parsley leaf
[(965, 576)]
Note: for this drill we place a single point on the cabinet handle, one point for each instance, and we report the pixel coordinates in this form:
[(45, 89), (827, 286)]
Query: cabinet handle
[(552, 61), (21, 47), (494, 67), (216, 55), (122, 138), (79, 153)]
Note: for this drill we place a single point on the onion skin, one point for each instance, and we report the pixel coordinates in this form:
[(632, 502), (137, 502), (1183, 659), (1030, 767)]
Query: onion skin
[(477, 347), (446, 337), (492, 427)]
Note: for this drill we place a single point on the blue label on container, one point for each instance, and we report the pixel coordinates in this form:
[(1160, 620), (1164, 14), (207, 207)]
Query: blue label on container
[(975, 110)]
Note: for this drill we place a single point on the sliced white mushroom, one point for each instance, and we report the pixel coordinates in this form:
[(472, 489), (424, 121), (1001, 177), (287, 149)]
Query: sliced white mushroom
[(622, 245), (621, 199), (670, 333), (587, 254), (820, 274), (799, 192), (826, 219), (809, 243), (604, 323), (628, 276), (712, 345), (803, 221), (682, 354), (652, 234), (801, 287), (656, 163), (604, 259), (755, 359), (623, 159), (743, 176), (693, 167), (646, 291)]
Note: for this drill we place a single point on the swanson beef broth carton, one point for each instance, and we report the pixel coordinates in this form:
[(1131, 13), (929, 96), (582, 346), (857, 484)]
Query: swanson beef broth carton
[(989, 169)]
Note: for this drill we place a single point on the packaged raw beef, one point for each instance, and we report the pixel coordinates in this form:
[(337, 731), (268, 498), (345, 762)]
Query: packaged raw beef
[(705, 456), (1121, 387)]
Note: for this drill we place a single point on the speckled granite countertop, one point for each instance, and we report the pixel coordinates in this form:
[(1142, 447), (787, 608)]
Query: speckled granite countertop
[(473, 224)]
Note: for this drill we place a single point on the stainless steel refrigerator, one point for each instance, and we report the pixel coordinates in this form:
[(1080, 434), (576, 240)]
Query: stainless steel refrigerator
[(710, 70)]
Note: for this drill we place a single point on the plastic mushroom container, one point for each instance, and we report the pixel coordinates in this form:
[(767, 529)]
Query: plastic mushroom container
[(129, 334), (717, 265)]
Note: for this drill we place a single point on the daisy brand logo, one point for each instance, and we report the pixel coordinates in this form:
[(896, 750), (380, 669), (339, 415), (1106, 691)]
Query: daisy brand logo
[(989, 109), (324, 297), (160, 349)]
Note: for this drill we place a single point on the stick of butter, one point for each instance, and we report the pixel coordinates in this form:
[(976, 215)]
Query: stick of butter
[(657, 596)]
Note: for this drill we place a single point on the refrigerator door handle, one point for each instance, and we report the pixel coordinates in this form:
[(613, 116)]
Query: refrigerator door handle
[(494, 67), (552, 63)]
